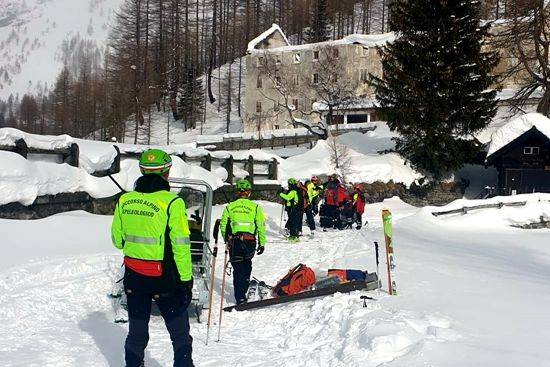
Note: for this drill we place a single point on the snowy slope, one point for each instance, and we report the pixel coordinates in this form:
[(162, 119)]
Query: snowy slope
[(32, 33), (469, 295)]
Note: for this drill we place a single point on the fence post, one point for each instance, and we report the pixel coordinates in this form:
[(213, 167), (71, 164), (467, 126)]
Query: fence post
[(250, 169), (207, 162), (273, 169), (228, 165), (21, 148), (72, 158), (115, 167)]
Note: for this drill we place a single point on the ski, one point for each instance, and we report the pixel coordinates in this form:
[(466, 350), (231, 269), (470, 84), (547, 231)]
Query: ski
[(372, 284), (390, 260)]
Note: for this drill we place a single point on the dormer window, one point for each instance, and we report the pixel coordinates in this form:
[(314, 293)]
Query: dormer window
[(531, 150)]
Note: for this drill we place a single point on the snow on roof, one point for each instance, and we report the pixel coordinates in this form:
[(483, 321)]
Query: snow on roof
[(365, 40), (262, 37), (514, 129), (360, 104)]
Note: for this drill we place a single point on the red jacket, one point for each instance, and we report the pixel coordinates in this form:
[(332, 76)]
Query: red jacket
[(359, 202), (336, 195)]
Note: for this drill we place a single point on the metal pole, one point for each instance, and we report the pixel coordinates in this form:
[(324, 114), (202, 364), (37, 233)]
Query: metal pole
[(223, 291), (214, 255)]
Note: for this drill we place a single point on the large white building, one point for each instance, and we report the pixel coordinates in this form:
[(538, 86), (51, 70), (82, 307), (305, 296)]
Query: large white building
[(304, 79)]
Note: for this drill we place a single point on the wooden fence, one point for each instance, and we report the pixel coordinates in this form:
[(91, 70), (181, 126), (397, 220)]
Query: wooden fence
[(256, 169), (283, 141), (466, 209)]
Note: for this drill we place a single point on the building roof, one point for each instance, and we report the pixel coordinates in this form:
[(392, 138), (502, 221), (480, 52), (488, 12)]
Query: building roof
[(516, 128), (265, 35), (366, 40), (358, 104)]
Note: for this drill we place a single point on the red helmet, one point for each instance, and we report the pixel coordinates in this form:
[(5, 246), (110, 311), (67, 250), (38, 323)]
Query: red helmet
[(314, 179)]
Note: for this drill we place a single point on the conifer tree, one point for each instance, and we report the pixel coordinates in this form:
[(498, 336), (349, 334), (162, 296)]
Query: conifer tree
[(436, 90), (190, 104), (319, 29)]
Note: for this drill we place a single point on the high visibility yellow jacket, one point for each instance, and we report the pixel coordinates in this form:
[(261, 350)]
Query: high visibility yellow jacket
[(140, 225), (291, 199), (244, 216), (313, 191)]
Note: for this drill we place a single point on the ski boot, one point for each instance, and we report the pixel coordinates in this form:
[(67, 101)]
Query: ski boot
[(252, 290)]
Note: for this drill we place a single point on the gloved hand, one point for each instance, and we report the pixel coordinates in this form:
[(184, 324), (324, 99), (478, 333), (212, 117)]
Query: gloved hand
[(260, 250), (186, 288)]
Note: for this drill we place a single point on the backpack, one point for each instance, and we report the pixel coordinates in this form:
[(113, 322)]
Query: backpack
[(303, 197), (298, 279)]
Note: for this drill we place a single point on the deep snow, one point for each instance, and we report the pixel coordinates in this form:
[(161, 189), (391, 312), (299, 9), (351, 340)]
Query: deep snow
[(471, 293)]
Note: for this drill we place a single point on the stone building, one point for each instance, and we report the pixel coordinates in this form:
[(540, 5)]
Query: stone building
[(281, 77)]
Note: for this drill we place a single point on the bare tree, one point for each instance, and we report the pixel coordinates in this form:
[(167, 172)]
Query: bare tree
[(340, 157), (525, 37)]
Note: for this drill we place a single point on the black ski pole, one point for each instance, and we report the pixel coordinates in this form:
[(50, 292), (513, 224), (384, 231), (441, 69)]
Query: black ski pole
[(377, 260), (116, 183)]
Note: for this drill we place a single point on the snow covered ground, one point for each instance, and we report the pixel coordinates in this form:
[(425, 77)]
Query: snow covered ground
[(472, 292)]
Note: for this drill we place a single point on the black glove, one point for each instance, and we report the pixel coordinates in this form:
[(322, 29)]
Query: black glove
[(186, 288), (260, 250)]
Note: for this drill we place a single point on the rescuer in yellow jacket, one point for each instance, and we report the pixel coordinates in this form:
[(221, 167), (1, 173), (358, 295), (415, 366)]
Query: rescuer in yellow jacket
[(243, 228), (294, 209), (150, 227)]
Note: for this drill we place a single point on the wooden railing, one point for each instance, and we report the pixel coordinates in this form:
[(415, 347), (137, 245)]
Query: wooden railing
[(466, 209)]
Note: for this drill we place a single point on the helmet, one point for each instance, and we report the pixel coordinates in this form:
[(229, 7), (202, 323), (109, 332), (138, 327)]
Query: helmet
[(292, 181), (155, 161), (243, 185), (314, 179), (358, 187)]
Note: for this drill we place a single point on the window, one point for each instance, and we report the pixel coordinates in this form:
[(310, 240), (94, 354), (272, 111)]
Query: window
[(277, 60), (531, 150), (259, 82), (277, 127), (335, 53), (278, 80), (295, 103), (295, 79), (315, 55), (258, 107), (315, 78), (364, 75), (275, 106), (259, 61), (297, 58), (365, 51), (334, 78)]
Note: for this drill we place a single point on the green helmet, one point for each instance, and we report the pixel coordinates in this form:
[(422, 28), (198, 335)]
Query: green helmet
[(292, 181), (243, 185), (155, 161)]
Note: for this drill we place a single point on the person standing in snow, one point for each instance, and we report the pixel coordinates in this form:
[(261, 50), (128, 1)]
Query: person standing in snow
[(335, 196), (359, 201), (306, 207), (150, 226), (294, 210), (243, 227), (314, 190)]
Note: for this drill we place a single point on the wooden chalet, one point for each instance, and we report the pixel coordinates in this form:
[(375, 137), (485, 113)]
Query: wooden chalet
[(523, 164)]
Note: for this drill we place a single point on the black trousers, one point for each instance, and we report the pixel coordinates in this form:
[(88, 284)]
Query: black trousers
[(242, 270), (241, 254), (294, 222), (173, 308), (309, 218)]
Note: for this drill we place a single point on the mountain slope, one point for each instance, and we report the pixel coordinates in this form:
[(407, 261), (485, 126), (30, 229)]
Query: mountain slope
[(33, 33)]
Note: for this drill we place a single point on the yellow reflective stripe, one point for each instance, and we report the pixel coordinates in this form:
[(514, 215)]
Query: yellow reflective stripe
[(181, 241), (142, 240)]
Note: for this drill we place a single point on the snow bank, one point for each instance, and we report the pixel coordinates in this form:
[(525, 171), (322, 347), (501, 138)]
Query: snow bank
[(516, 128), (537, 207), (364, 167), (23, 181)]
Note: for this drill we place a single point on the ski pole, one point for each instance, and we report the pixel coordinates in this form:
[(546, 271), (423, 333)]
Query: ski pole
[(377, 263), (223, 291), (282, 216), (211, 291)]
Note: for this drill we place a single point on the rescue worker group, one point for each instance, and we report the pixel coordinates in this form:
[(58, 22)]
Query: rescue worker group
[(150, 226)]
